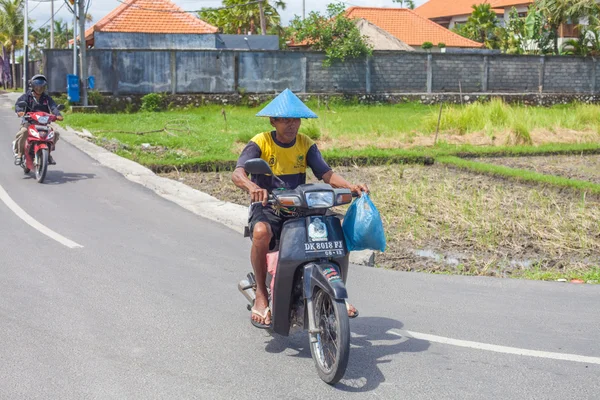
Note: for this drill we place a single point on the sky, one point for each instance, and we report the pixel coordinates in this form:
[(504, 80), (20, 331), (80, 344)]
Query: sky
[(40, 11)]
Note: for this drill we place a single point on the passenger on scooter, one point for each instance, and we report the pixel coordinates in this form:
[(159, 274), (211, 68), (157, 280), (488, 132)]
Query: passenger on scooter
[(37, 100), (288, 153)]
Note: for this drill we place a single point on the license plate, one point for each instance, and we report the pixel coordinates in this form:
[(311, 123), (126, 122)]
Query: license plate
[(330, 248)]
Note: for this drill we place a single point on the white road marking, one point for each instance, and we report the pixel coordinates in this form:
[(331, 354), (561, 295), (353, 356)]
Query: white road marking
[(496, 348), (14, 207)]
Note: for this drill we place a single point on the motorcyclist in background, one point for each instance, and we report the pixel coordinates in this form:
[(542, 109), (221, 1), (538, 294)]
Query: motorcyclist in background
[(37, 100)]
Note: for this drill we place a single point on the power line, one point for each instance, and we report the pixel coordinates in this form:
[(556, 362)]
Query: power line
[(46, 23)]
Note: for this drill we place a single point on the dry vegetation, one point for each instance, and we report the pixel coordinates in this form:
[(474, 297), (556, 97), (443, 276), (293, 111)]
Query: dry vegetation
[(439, 219)]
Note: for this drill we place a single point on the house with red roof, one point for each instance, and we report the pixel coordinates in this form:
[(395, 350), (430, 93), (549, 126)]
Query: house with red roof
[(410, 27), (162, 24), (450, 13)]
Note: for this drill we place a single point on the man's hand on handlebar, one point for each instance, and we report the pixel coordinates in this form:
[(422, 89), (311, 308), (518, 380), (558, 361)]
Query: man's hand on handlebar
[(359, 189), (20, 113), (257, 194), (59, 117)]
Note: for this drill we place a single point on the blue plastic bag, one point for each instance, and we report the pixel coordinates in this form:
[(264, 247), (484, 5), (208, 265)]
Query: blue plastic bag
[(362, 226)]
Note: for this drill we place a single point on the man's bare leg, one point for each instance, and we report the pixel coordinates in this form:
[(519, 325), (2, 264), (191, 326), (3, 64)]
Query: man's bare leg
[(261, 238)]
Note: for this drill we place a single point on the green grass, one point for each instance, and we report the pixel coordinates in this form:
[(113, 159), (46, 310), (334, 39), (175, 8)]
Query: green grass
[(521, 174), (497, 116), (591, 275), (364, 134)]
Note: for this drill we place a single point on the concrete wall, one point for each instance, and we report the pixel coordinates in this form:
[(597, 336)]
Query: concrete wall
[(157, 41), (183, 41), (226, 71)]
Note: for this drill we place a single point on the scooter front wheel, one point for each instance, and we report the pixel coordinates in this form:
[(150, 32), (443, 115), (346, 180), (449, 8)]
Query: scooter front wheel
[(42, 165), (331, 349)]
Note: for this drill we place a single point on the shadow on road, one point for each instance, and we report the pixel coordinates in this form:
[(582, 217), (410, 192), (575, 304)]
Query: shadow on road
[(371, 345), (60, 177)]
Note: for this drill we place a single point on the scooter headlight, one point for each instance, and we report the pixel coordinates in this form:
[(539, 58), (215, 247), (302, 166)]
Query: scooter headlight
[(43, 120), (50, 135), (319, 199), (34, 133)]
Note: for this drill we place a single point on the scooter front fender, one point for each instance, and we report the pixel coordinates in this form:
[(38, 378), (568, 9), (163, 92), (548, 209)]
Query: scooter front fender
[(38, 146), (325, 276)]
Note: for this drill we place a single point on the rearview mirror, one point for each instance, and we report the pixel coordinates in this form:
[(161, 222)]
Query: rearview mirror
[(61, 107), (257, 166)]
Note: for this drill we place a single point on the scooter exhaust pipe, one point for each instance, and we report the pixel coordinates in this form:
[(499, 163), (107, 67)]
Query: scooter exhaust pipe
[(246, 289)]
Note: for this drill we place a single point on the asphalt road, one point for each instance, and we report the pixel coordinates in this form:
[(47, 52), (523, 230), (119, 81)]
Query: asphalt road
[(148, 308)]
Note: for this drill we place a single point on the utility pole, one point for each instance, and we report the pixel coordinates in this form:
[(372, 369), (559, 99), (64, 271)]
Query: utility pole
[(75, 39), (82, 52), (26, 41), (52, 24), (263, 24), (303, 10)]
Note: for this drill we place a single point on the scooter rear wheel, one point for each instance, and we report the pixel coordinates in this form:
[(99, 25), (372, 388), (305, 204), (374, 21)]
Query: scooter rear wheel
[(332, 348)]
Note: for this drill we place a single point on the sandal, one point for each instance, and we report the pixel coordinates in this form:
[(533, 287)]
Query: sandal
[(353, 315), (263, 315)]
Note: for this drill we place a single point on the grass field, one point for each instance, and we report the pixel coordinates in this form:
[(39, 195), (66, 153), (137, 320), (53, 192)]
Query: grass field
[(472, 212), (214, 133)]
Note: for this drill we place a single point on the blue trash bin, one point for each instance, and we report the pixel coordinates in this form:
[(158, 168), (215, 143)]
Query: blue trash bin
[(73, 88), (91, 82)]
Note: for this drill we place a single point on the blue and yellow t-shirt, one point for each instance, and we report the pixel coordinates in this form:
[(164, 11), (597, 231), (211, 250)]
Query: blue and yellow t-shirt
[(287, 160)]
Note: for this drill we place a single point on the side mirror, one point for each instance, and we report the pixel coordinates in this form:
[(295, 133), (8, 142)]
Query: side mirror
[(257, 166), (61, 107), (22, 104)]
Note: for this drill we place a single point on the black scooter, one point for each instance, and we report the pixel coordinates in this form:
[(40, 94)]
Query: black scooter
[(309, 291)]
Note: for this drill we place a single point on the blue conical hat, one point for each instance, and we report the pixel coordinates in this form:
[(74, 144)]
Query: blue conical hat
[(286, 105)]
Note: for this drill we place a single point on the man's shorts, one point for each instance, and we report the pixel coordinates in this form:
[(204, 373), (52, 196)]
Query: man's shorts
[(268, 215)]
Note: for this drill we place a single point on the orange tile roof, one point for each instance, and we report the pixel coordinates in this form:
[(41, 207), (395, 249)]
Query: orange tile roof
[(447, 8), (410, 27), (508, 3), (150, 16)]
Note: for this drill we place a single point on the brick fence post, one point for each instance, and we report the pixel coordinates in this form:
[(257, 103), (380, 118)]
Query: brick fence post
[(429, 73), (542, 73), (114, 76), (593, 83), (486, 72), (236, 72), (368, 62), (173, 72)]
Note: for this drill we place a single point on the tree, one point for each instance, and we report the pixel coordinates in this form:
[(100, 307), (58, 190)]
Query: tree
[(559, 12), (12, 27), (409, 3), (244, 19), (62, 34), (40, 39), (334, 33), (482, 26), (527, 35)]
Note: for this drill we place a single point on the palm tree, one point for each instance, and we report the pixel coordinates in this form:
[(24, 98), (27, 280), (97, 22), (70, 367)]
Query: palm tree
[(409, 3), (62, 34), (244, 19), (40, 39), (12, 27), (558, 12)]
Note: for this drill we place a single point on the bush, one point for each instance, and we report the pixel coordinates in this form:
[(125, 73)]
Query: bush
[(427, 46), (441, 45), (153, 102), (95, 98)]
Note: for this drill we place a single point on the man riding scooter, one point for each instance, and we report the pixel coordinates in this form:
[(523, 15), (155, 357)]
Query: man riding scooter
[(37, 100), (288, 153)]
